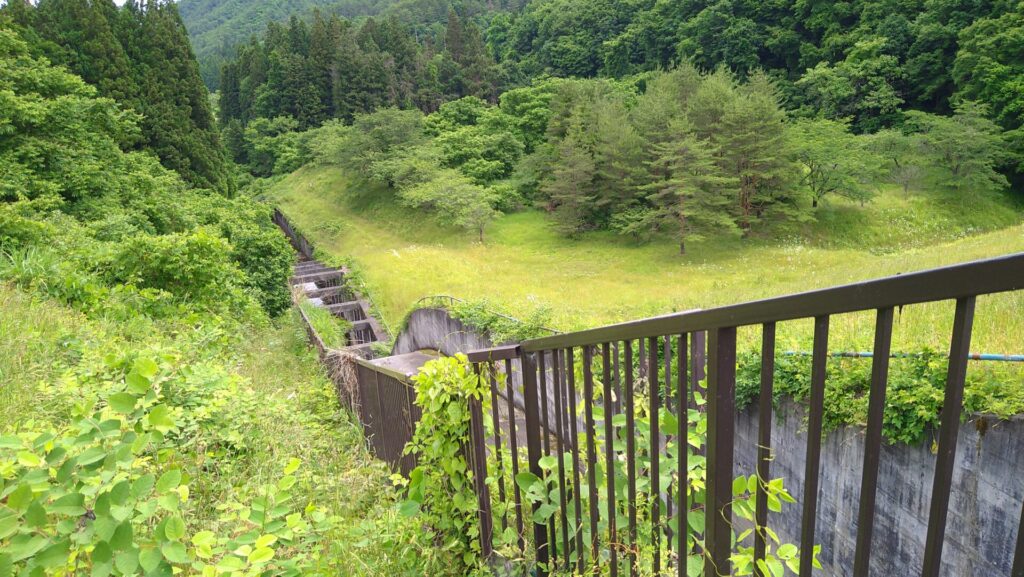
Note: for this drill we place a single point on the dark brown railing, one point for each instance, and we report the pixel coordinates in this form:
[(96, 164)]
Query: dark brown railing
[(388, 412), (544, 371)]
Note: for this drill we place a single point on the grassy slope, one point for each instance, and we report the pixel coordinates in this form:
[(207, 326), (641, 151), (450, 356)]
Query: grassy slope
[(38, 340), (603, 278)]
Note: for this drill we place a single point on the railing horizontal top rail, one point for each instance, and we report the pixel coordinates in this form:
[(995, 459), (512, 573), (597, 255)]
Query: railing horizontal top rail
[(970, 279)]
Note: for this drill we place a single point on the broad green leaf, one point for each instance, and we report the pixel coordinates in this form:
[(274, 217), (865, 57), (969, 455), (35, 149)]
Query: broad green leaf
[(142, 486), (102, 553), (526, 479), (175, 552), (261, 555), (149, 559), (123, 537), (122, 402), (786, 551), (204, 538), (168, 481), (409, 508), (55, 555), (265, 541), (174, 528), (739, 486), (72, 504), (146, 367), (137, 383), (292, 466), (91, 456), (29, 459), (8, 525), (127, 561), (160, 418), (25, 546), (547, 462)]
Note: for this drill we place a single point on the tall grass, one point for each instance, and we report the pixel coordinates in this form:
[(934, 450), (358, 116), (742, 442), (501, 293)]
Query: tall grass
[(603, 278)]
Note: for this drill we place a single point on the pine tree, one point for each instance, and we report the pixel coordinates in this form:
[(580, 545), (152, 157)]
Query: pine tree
[(695, 197), (571, 185), (81, 36), (230, 102), (754, 149), (177, 123), (618, 156)]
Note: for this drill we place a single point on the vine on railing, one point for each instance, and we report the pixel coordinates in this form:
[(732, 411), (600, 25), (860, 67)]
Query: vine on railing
[(441, 488)]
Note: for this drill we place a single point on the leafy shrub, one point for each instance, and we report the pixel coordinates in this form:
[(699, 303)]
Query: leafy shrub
[(195, 268), (440, 488), (106, 494), (914, 394)]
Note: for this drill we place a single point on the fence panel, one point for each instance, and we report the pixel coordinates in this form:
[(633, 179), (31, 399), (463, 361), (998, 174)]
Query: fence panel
[(630, 390)]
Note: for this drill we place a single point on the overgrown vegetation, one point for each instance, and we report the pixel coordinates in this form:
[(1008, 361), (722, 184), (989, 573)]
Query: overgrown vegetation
[(441, 488), (914, 395), (139, 56), (157, 419), (332, 330)]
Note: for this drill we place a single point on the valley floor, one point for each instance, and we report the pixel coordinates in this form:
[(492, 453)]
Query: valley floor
[(602, 278)]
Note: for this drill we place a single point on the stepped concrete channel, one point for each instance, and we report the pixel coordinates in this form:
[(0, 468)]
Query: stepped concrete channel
[(988, 479)]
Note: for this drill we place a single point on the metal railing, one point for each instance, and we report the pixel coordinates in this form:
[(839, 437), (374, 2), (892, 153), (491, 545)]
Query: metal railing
[(388, 412), (666, 371)]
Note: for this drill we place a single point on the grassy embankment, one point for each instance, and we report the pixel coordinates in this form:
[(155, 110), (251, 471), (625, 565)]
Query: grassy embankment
[(297, 417), (603, 278)]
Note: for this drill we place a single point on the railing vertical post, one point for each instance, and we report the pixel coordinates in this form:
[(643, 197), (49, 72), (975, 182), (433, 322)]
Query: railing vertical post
[(952, 405), (873, 441), (812, 463), (720, 435), (764, 443), (531, 402), (478, 456), (609, 447)]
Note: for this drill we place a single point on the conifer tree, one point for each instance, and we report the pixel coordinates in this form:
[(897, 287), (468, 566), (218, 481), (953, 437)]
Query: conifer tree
[(177, 123), (571, 186), (754, 149), (695, 197)]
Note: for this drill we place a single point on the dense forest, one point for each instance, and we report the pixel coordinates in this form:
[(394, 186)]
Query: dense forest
[(471, 122), (138, 55)]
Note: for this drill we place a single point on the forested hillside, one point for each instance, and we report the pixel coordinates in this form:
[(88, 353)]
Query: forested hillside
[(161, 411), (138, 55), (217, 27)]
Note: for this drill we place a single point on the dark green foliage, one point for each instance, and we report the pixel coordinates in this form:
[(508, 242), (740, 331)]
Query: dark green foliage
[(92, 223), (914, 394), (331, 68), (139, 56)]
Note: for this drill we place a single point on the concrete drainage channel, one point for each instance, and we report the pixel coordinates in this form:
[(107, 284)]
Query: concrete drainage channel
[(377, 389)]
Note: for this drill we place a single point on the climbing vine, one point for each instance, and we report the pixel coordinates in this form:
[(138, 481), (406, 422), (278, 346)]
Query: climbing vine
[(440, 488)]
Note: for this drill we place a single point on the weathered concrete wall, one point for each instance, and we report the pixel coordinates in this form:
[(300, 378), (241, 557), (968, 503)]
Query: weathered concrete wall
[(984, 511), (436, 330)]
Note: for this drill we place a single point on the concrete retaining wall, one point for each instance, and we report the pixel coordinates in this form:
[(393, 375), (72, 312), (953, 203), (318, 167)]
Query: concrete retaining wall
[(985, 505)]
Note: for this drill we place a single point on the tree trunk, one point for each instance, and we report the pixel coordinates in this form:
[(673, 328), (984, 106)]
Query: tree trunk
[(814, 202)]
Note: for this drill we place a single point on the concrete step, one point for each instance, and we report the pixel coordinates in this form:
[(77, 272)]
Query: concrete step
[(334, 277)]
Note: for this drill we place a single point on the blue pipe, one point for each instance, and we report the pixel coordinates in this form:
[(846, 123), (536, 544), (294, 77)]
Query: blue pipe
[(868, 355)]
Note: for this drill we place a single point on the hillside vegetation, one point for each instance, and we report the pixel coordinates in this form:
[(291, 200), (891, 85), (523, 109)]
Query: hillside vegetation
[(162, 412), (598, 278)]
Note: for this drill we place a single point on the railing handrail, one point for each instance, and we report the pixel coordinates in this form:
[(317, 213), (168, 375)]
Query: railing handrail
[(995, 275)]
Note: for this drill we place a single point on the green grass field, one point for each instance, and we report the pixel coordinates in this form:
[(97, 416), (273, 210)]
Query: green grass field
[(603, 278)]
